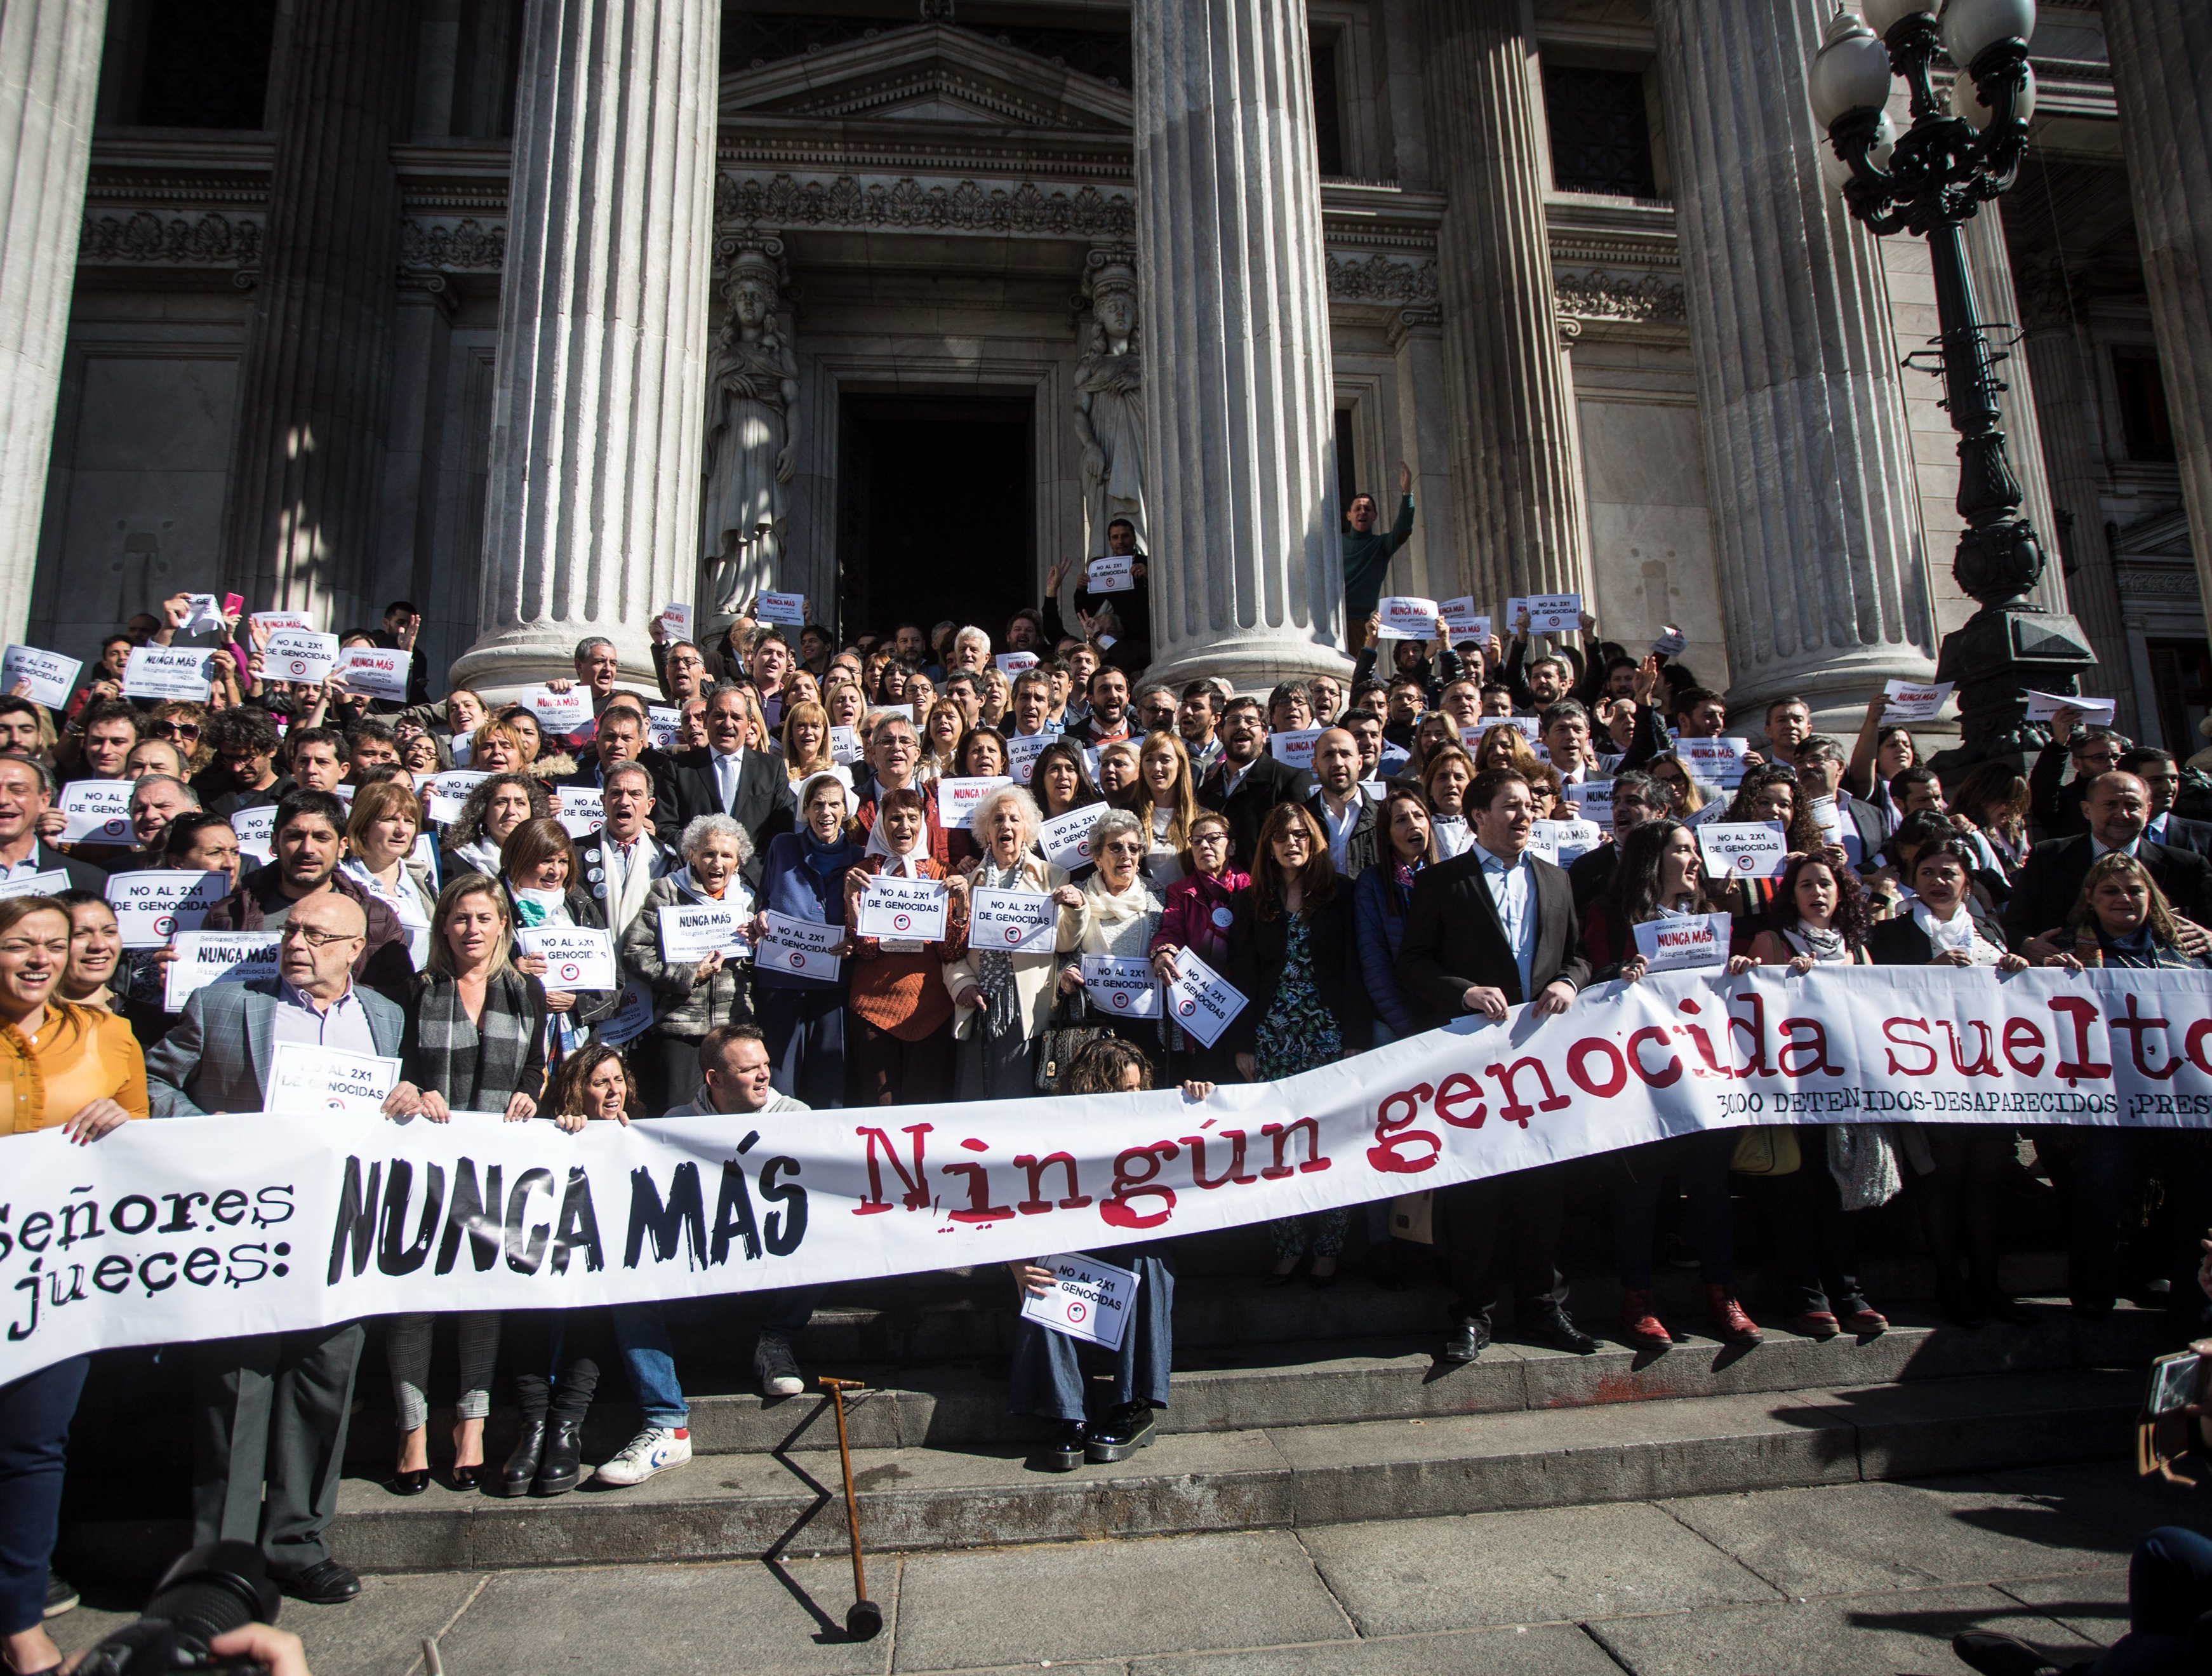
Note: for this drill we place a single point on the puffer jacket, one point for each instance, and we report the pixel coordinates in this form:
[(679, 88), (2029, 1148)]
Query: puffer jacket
[(683, 1007)]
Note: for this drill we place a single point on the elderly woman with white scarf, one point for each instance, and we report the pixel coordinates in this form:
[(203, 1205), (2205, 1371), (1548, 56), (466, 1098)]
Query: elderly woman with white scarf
[(694, 998), (1117, 917), (1003, 996)]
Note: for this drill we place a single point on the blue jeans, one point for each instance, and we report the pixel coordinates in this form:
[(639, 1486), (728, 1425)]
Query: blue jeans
[(1047, 1372), (641, 1335), (34, 1421), (2169, 1594)]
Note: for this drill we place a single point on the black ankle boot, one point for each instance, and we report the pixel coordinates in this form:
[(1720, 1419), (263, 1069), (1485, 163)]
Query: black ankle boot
[(562, 1461), (531, 1395)]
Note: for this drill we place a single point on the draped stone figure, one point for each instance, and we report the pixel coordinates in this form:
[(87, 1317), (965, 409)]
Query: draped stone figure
[(752, 429), (1109, 409)]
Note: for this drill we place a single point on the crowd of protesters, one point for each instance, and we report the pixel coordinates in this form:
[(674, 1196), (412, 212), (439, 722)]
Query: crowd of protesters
[(1362, 860)]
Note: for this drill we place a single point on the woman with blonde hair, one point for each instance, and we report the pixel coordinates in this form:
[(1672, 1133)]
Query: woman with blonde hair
[(1431, 734), (1444, 780), (1165, 798), (2121, 918), (498, 747), (381, 832), (1502, 747), (474, 1041), (1685, 797), (805, 743), (847, 704), (995, 698), (940, 739)]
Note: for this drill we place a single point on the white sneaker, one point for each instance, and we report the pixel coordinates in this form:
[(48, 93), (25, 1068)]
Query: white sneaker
[(655, 1449)]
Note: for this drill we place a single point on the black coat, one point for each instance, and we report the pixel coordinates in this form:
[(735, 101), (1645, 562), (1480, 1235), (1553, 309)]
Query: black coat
[(765, 804), (1266, 783), (1259, 948), (1364, 849), (1454, 939), (666, 802), (1901, 942), (2050, 883)]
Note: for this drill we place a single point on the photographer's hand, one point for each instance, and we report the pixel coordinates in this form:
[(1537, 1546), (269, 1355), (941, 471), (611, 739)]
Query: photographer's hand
[(277, 1650)]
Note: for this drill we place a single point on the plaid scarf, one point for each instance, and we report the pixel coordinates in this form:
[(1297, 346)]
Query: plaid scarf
[(994, 968), (475, 1067)]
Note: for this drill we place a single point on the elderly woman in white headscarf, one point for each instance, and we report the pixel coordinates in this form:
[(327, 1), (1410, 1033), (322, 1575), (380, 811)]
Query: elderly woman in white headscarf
[(1003, 984)]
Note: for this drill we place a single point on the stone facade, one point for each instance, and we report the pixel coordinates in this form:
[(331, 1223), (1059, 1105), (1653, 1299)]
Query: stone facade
[(1504, 241)]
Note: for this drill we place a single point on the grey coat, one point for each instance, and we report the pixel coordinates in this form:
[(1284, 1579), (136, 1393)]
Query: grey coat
[(217, 1057), (682, 1007)]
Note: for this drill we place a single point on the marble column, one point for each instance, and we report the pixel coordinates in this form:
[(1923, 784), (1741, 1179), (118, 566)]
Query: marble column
[(1823, 571), (1239, 407), (315, 393), (49, 77), (2161, 55), (599, 400), (1430, 564), (1515, 438)]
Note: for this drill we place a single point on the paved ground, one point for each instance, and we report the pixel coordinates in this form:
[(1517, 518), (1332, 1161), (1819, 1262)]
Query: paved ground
[(1859, 1578)]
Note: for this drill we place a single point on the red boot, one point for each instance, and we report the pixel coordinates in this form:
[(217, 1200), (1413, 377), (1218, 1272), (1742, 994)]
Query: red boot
[(1728, 1320), (1639, 1321)]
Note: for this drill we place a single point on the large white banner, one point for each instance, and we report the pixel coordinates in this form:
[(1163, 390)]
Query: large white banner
[(202, 1227)]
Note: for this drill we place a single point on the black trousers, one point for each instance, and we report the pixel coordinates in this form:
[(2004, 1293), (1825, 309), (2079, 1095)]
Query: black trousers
[(270, 1437), (1523, 1206)]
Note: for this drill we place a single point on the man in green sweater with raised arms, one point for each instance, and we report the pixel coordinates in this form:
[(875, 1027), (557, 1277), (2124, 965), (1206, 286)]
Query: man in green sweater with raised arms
[(1367, 554)]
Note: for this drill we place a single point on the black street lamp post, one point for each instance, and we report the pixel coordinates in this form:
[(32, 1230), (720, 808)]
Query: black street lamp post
[(1931, 181)]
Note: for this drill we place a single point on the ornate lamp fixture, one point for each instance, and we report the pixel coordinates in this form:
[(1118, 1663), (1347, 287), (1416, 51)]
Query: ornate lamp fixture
[(1931, 181)]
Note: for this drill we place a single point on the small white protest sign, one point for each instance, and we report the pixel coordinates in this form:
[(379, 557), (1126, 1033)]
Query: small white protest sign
[(560, 714), (1294, 745), (97, 811), (583, 809), (166, 671), (375, 672), (1012, 922), (577, 957), (905, 910), (1914, 701), (1717, 761), (1744, 849), (787, 609), (202, 614), (1671, 642), (299, 655), (799, 947), (1555, 613), (2046, 706), (1012, 664), (449, 788), (1066, 838), (216, 957), (46, 678), (1121, 986), (151, 908), (1679, 943), (845, 746), (676, 621), (959, 795), (690, 931), (257, 830), (1462, 620), (631, 1019), (1569, 841), (52, 883), (307, 1080), (1089, 1300), (1022, 751), (1113, 573), (1200, 999), (1406, 617)]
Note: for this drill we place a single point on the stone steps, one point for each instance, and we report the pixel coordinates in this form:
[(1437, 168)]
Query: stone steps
[(751, 1505)]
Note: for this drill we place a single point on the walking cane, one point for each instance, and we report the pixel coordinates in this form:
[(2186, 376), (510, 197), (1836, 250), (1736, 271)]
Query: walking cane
[(865, 1621)]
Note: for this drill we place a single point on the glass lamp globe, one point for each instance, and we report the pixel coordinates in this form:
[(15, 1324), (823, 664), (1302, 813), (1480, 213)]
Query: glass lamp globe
[(1837, 173), (1967, 102), (1970, 27), (1883, 16), (1850, 72)]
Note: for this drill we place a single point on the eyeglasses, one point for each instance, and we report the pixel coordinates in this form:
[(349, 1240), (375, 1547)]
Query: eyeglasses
[(315, 938), (178, 729)]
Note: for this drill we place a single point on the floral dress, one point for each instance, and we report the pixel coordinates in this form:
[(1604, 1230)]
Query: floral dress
[(1298, 1033)]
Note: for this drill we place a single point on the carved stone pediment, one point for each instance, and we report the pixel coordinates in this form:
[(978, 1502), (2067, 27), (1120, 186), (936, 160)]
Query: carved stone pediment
[(2159, 535), (929, 73)]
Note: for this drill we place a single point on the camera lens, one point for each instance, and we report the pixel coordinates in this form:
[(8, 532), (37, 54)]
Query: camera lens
[(214, 1589)]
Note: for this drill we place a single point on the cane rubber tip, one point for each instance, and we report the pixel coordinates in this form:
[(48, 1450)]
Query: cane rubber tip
[(865, 1621)]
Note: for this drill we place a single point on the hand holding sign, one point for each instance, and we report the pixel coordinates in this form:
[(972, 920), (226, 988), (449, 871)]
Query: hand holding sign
[(1201, 1000)]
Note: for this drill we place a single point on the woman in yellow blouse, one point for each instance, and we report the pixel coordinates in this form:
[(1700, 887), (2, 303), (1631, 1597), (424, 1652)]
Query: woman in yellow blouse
[(77, 1070)]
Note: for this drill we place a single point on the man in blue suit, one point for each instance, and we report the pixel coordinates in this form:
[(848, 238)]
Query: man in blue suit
[(269, 1434)]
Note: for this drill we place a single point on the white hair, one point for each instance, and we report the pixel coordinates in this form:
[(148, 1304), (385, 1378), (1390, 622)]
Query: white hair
[(708, 826), (1025, 806), (972, 633)]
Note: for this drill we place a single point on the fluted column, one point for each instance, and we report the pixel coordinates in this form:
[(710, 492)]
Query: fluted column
[(314, 394), (2162, 54), (598, 399), (1239, 408), (1515, 440), (49, 74), (1808, 465)]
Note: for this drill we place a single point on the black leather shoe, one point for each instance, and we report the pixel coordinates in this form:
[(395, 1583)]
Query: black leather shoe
[(1120, 1434), (1554, 1328), (564, 1460), (325, 1583), (1065, 1453), (1994, 1655), (1465, 1341), (468, 1478), (412, 1482), (521, 1469)]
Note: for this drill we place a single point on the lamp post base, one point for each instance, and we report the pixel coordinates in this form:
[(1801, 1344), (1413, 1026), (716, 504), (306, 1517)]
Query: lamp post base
[(1998, 653)]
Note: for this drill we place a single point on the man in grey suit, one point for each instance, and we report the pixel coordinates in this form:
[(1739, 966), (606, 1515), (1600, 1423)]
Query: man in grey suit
[(269, 1430)]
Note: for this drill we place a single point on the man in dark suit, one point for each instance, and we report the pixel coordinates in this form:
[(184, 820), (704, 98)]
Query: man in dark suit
[(748, 785), (2161, 777), (268, 1435), (620, 737), (1485, 931), (1349, 819), (619, 860), (2117, 808), (26, 791), (1249, 781), (2055, 810), (1856, 824), (1637, 798)]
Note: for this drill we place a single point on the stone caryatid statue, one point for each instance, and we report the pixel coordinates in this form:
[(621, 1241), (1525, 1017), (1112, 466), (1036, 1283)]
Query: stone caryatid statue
[(1109, 407), (752, 431)]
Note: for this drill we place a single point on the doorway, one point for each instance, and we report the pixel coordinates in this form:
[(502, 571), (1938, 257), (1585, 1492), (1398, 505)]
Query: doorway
[(936, 514)]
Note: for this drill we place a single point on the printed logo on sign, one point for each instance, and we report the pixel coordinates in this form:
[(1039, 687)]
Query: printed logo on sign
[(571, 971), (1013, 934), (1077, 1311), (1121, 1000), (903, 921), (1187, 1009), (798, 957), (165, 923), (299, 665), (1745, 863)]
